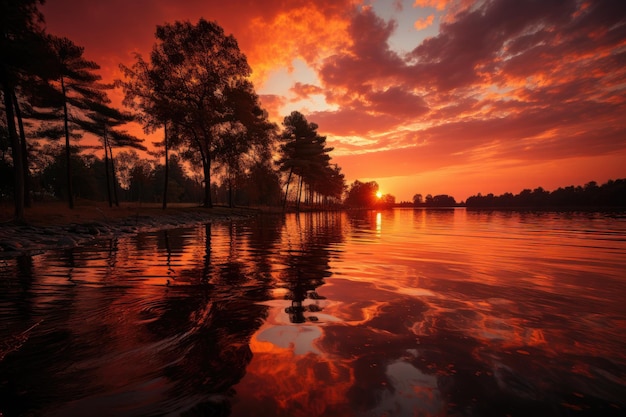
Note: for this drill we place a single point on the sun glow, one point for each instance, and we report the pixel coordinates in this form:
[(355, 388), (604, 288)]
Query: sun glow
[(379, 194)]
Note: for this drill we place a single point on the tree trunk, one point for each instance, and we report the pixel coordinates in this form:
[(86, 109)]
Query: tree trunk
[(106, 167), (114, 178), (24, 150), (16, 154), (207, 185), (230, 191), (206, 168), (287, 189), (167, 165), (299, 195), (68, 152)]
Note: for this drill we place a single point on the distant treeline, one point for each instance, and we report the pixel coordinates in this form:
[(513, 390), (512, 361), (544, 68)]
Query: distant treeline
[(441, 200), (610, 194)]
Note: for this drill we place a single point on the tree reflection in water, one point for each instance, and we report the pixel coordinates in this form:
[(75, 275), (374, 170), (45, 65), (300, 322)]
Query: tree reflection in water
[(158, 323), (307, 263), (367, 313)]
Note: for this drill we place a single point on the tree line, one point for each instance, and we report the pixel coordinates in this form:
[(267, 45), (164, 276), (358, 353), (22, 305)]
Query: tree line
[(194, 87), (610, 194)]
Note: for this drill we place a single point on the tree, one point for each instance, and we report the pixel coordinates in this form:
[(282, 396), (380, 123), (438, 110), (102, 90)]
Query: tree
[(102, 121), (387, 200), (303, 153), (362, 194), (333, 185), (88, 178), (79, 89), (248, 134), (20, 22), (418, 199), (194, 66), (260, 186), (144, 92), (443, 200)]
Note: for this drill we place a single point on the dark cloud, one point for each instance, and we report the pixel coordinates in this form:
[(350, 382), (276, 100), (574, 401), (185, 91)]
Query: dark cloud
[(472, 44), (368, 60)]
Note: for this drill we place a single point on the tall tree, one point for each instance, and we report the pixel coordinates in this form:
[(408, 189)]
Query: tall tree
[(194, 66), (303, 153), (79, 88), (145, 93), (246, 138), (103, 121), (20, 23)]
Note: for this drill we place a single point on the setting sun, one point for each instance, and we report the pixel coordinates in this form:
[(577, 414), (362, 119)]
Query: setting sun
[(379, 194)]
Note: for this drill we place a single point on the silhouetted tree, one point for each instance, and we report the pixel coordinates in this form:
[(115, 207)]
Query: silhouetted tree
[(145, 92), (333, 184), (362, 194), (443, 200), (244, 139), (194, 66), (20, 29), (103, 121), (88, 176), (79, 89), (386, 201), (260, 185), (304, 153)]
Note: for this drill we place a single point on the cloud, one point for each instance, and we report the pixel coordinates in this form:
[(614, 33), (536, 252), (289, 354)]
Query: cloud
[(304, 91), (272, 103), (437, 4), (424, 23), (351, 121), (499, 71)]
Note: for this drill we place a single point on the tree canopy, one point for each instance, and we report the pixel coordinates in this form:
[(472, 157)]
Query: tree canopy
[(198, 70), (303, 152), (362, 194)]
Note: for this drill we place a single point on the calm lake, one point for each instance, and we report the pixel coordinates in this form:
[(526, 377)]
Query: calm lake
[(394, 313)]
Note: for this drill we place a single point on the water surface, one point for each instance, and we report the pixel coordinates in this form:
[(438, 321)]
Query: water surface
[(392, 313)]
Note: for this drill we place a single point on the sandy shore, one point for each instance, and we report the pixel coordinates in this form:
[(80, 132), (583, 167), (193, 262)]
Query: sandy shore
[(53, 225)]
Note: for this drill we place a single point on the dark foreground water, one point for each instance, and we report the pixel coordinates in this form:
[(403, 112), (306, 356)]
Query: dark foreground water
[(398, 313)]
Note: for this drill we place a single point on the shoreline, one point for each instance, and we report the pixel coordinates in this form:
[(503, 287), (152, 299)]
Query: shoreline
[(54, 226)]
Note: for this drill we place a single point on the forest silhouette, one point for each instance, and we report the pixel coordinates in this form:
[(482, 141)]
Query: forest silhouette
[(610, 194), (194, 88)]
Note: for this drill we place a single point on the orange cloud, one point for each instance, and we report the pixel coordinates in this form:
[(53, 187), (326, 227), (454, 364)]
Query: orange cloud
[(437, 4), (308, 32), (303, 91), (424, 23)]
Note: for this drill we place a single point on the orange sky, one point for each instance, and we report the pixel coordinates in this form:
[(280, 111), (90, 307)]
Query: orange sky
[(422, 96)]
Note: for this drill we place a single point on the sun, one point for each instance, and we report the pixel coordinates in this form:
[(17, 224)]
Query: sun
[(379, 194)]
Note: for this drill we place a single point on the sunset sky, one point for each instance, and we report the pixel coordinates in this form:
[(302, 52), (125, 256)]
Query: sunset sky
[(422, 96)]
